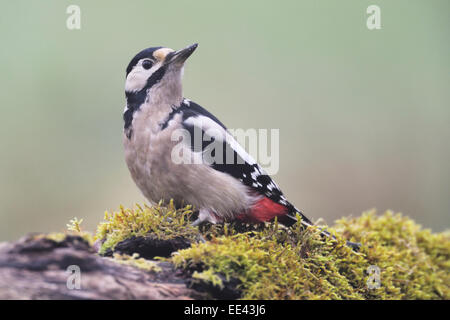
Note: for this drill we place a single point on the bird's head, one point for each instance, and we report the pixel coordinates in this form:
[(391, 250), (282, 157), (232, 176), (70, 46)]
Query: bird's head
[(157, 72)]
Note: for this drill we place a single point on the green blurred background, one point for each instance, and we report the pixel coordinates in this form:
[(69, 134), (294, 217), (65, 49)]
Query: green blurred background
[(363, 115)]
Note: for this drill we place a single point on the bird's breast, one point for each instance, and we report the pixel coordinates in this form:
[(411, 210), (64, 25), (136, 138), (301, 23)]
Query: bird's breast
[(148, 154), (148, 150)]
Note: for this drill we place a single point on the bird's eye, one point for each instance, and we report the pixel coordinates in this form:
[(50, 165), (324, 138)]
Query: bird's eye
[(146, 64)]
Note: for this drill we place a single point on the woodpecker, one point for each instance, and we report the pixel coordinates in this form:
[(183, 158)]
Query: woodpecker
[(155, 112)]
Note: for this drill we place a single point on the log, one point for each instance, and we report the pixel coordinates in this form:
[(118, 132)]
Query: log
[(36, 267)]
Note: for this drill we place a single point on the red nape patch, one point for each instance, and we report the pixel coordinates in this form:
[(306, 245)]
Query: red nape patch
[(263, 210)]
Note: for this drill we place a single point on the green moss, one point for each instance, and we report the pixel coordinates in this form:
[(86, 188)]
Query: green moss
[(162, 222), (414, 263), (273, 262), (55, 236), (74, 225), (208, 276), (73, 229), (280, 263), (137, 262)]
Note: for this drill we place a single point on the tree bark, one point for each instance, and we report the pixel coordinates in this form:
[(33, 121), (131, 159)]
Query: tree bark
[(37, 268)]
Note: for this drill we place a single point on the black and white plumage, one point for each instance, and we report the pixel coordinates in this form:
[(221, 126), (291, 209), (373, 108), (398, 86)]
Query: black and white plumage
[(156, 112), (242, 167)]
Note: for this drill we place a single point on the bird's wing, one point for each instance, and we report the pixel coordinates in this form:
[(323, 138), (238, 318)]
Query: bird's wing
[(223, 153)]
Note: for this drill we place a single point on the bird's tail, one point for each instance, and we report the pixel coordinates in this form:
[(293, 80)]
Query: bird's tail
[(291, 218)]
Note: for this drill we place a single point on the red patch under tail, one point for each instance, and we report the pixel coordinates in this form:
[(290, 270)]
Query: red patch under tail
[(263, 210)]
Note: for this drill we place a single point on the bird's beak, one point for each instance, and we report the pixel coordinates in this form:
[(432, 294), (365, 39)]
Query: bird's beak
[(180, 56)]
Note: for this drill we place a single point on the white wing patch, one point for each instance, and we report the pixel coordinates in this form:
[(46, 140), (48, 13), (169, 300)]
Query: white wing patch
[(249, 172), (213, 129)]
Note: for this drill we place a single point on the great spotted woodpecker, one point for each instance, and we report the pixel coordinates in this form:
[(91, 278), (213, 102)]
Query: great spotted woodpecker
[(230, 187)]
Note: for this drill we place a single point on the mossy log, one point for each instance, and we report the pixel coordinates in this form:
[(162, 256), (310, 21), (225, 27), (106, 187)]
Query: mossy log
[(153, 252)]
